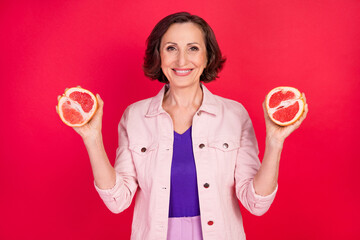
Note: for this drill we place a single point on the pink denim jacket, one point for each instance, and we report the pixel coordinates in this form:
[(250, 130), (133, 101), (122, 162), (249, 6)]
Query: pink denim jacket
[(226, 159)]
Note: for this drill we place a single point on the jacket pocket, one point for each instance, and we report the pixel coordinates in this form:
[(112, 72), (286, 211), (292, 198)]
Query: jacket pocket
[(225, 145), (143, 149), (224, 150), (223, 153), (144, 158)]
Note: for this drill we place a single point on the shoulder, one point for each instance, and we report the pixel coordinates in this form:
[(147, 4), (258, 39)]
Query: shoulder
[(141, 104), (135, 114), (138, 108), (229, 106), (149, 106)]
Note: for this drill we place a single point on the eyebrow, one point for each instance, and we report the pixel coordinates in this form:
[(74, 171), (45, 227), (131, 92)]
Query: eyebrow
[(187, 44)]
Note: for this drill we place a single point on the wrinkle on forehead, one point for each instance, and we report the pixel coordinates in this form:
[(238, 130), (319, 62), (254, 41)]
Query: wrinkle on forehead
[(186, 37)]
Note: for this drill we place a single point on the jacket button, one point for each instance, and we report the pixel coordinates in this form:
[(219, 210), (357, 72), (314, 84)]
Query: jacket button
[(143, 149), (206, 185), (201, 145), (225, 145), (210, 223)]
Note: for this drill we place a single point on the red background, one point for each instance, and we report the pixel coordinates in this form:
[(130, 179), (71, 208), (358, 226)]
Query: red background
[(45, 176)]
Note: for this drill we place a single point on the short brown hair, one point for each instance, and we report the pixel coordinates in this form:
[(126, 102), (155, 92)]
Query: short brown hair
[(152, 61)]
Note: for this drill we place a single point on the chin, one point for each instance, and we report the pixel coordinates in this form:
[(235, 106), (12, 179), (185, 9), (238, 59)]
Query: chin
[(183, 83)]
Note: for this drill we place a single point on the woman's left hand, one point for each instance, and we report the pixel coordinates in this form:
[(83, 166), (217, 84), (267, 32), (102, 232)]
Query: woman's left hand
[(277, 134)]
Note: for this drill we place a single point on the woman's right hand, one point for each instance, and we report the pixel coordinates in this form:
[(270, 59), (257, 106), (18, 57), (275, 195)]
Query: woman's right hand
[(92, 129), (104, 173)]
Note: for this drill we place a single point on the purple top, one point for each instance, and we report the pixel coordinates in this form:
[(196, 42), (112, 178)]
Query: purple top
[(184, 198)]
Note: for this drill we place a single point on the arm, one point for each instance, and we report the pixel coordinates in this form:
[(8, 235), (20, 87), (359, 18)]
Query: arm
[(256, 183), (104, 173), (115, 185), (265, 181)]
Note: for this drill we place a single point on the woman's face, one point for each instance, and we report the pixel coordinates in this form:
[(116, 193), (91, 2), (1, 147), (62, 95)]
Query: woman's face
[(183, 54)]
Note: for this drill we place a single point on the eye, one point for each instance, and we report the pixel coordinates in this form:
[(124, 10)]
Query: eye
[(194, 49), (170, 48)]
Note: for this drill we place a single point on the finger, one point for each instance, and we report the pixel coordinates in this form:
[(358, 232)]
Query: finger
[(303, 116), (77, 130), (57, 111), (98, 97), (58, 97), (304, 97), (100, 101), (99, 111), (305, 111), (296, 125), (78, 86), (266, 114)]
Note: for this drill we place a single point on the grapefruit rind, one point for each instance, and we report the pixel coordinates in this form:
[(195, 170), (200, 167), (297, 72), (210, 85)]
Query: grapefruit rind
[(87, 116), (298, 98)]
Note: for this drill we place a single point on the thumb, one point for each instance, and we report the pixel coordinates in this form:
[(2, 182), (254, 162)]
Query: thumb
[(100, 102), (266, 115)]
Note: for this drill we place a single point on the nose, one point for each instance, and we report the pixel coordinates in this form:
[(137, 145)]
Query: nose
[(182, 58)]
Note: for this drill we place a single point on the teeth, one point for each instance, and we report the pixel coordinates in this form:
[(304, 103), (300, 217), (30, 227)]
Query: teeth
[(182, 71)]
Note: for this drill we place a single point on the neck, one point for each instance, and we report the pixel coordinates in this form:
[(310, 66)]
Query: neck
[(186, 97)]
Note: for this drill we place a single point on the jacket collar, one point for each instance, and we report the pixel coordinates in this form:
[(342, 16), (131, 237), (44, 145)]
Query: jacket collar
[(209, 103)]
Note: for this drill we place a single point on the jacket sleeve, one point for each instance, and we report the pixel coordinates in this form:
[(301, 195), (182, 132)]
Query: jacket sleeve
[(247, 165), (120, 196)]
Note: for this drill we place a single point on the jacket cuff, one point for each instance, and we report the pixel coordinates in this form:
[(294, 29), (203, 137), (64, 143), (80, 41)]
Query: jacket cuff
[(260, 198), (260, 204), (111, 193)]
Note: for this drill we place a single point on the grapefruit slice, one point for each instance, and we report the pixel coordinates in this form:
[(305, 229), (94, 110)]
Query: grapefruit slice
[(77, 106), (285, 105)]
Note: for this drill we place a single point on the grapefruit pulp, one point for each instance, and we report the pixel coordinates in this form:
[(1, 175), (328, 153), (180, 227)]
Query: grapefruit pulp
[(77, 106), (285, 105)]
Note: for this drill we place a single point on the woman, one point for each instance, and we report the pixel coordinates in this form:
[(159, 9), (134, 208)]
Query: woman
[(188, 154)]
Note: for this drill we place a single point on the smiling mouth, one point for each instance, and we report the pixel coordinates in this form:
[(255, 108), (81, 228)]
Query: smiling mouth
[(182, 72)]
